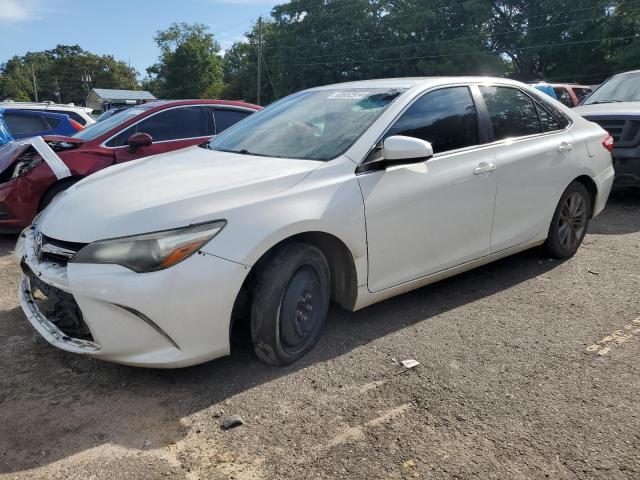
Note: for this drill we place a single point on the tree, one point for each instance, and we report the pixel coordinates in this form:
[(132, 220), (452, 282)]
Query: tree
[(65, 73), (189, 66)]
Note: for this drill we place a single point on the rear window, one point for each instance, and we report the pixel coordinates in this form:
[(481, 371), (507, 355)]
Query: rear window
[(512, 113), (20, 124)]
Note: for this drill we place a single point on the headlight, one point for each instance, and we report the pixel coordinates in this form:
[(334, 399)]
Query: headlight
[(25, 164), (151, 251)]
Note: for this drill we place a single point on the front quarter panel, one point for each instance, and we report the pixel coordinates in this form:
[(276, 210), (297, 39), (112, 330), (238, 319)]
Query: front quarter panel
[(328, 200)]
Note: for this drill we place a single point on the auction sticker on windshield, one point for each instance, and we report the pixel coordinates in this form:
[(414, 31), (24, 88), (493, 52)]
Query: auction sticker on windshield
[(347, 95)]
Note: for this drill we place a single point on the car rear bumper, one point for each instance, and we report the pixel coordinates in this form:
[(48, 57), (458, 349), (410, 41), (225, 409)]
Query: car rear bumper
[(604, 183), (171, 318)]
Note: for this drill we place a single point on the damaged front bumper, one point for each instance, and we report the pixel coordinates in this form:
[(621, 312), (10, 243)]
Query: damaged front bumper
[(171, 318)]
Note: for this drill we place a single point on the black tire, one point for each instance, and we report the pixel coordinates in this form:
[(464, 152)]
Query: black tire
[(54, 191), (570, 222), (290, 304)]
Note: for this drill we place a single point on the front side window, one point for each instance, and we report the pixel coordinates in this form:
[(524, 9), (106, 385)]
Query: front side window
[(171, 124), (581, 92), (563, 96), (310, 125), (446, 118), (512, 113)]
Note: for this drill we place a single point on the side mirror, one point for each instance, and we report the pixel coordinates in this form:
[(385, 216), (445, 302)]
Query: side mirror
[(397, 150), (138, 140), (406, 149)]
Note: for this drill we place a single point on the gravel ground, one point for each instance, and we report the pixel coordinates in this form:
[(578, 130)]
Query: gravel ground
[(529, 368)]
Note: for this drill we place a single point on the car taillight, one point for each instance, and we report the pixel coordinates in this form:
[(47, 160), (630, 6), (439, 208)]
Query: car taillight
[(608, 143), (75, 125)]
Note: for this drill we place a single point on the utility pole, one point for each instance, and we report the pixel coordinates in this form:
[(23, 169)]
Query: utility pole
[(35, 86), (58, 90), (259, 58)]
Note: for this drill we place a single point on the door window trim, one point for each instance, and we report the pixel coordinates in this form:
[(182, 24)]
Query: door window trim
[(535, 100), (104, 143), (481, 131)]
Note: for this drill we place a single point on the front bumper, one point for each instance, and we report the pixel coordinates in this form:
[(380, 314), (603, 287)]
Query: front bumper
[(627, 167), (171, 318)]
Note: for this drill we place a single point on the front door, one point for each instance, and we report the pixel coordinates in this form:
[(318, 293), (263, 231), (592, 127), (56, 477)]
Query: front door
[(170, 129), (427, 217)]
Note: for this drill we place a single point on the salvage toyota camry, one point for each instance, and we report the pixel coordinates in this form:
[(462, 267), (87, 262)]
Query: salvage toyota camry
[(350, 193)]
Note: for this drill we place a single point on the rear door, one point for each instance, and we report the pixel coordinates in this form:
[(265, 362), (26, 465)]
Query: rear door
[(534, 153), (170, 129)]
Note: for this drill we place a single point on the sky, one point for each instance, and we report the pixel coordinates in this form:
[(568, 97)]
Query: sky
[(122, 28)]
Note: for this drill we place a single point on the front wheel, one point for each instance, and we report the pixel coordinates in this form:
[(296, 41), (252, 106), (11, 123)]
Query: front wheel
[(290, 304), (570, 222)]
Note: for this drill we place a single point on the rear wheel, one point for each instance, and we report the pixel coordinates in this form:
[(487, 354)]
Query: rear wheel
[(570, 222), (290, 304)]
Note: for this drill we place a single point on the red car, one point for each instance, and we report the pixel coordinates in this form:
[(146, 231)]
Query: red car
[(34, 171), (569, 94)]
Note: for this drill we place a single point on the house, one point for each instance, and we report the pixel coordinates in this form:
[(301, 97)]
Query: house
[(103, 99)]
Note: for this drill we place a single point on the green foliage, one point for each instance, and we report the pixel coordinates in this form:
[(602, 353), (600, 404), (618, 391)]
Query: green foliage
[(190, 65), (68, 70)]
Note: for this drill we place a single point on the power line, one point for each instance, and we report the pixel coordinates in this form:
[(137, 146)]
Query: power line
[(436, 41), (561, 44)]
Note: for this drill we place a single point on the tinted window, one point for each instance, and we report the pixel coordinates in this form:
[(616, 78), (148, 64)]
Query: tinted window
[(73, 115), (53, 123), (226, 118), (445, 117), (513, 114), (171, 124), (581, 92), (563, 96), (548, 121), (20, 124)]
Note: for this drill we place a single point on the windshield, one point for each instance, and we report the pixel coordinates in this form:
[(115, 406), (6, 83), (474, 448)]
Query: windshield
[(310, 125), (104, 126), (621, 88)]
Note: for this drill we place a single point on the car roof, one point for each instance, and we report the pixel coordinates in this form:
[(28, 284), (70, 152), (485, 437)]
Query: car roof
[(409, 82), (45, 105), (161, 104), (36, 113), (568, 85)]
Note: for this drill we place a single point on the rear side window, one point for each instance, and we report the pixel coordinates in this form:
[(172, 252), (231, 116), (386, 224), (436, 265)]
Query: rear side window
[(446, 118), (512, 113), (172, 124), (226, 118), (75, 116), (549, 122), (19, 124)]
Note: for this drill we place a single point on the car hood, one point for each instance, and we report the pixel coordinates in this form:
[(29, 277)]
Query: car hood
[(166, 191), (47, 147), (608, 109)]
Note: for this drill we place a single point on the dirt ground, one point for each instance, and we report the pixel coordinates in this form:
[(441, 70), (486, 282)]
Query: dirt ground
[(529, 368)]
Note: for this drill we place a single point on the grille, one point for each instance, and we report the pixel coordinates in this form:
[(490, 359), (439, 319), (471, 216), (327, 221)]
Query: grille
[(625, 133), (58, 251), (59, 307)]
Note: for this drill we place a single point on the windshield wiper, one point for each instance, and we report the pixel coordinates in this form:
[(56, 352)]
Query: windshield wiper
[(604, 101)]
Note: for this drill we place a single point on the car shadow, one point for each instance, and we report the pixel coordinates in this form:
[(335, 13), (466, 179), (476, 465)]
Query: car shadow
[(621, 215), (7, 244), (57, 404)]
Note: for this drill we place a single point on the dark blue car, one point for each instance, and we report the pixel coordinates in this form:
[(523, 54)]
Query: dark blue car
[(30, 123)]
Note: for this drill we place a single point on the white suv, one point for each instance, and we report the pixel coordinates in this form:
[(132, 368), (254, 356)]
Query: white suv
[(82, 115), (351, 193)]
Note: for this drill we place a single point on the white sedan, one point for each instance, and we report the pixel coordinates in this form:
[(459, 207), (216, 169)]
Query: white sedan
[(350, 193)]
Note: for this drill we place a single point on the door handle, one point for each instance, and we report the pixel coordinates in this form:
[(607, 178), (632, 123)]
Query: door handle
[(565, 147), (484, 167)]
